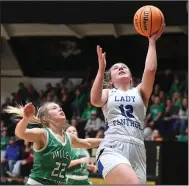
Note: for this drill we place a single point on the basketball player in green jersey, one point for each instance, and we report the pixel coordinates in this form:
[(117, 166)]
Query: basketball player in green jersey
[(52, 146), (77, 173)]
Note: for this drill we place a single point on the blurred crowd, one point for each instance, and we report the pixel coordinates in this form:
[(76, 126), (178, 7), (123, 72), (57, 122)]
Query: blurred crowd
[(167, 116)]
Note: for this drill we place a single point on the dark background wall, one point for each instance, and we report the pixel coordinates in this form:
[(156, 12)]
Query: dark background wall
[(86, 12), (52, 56), (167, 162)]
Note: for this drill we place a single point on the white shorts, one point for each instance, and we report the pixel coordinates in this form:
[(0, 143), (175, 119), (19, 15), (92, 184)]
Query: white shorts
[(130, 154)]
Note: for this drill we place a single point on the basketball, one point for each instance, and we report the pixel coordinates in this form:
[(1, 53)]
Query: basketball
[(148, 20)]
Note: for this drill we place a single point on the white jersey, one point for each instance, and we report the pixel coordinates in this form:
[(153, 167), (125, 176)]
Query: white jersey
[(124, 114)]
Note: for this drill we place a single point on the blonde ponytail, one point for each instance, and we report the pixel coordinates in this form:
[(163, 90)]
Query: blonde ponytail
[(19, 111)]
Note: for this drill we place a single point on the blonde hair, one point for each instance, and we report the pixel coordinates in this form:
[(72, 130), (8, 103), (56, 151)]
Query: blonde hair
[(106, 81), (37, 119), (107, 78)]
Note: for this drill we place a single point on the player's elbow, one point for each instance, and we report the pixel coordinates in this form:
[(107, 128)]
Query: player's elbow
[(151, 68), (95, 101), (19, 134)]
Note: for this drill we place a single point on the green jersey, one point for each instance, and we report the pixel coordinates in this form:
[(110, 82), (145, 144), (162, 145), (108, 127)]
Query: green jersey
[(155, 110), (4, 142), (51, 162), (182, 138), (87, 112), (80, 169)]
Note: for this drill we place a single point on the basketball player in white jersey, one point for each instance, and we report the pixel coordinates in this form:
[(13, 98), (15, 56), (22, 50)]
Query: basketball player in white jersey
[(121, 156)]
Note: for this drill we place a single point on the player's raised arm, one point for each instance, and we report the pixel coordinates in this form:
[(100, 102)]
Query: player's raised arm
[(98, 95), (87, 143), (146, 86), (36, 135)]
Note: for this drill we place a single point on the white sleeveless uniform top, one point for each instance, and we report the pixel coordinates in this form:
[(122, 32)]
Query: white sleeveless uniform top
[(124, 114)]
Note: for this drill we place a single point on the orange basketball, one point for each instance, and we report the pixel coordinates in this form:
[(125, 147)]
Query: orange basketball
[(148, 20)]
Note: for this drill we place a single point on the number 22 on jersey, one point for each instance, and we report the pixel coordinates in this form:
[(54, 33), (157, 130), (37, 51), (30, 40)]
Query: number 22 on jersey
[(59, 171)]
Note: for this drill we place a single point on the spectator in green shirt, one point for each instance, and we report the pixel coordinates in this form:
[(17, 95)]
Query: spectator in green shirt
[(154, 117), (182, 118), (78, 103), (169, 116), (162, 97), (176, 86), (184, 138), (4, 141), (176, 100), (87, 112)]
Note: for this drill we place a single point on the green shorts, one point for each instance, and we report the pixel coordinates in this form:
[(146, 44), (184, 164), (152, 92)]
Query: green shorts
[(77, 182)]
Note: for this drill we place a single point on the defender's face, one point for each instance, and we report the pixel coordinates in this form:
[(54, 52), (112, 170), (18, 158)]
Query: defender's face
[(56, 113), (72, 130)]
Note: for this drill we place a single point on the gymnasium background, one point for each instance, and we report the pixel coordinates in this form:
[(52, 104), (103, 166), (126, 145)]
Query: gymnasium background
[(49, 53)]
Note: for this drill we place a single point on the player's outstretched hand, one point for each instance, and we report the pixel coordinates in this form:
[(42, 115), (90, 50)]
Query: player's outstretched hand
[(157, 35), (92, 168), (29, 111), (101, 58)]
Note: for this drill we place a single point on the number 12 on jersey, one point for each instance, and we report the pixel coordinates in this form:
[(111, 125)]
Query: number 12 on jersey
[(126, 110)]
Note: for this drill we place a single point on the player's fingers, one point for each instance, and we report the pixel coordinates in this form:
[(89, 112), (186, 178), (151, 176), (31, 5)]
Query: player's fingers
[(162, 28), (98, 50), (104, 55), (28, 105)]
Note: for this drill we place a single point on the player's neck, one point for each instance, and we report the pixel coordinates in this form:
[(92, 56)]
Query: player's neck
[(123, 87), (56, 130)]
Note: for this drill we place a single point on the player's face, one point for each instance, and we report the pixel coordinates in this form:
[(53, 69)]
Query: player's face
[(120, 73), (72, 130), (56, 113)]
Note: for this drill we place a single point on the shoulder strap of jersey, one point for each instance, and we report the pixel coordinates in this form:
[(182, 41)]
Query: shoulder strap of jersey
[(68, 138), (46, 144)]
